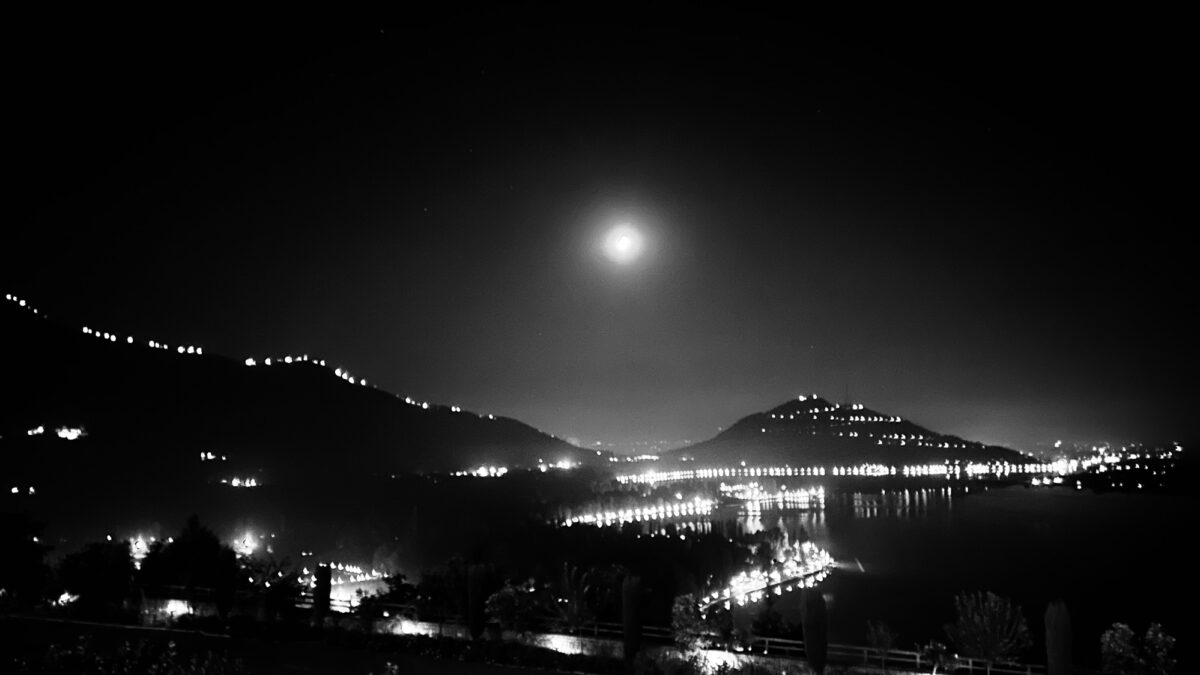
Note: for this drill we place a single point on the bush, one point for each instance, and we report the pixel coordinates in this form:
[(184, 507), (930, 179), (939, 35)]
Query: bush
[(138, 657)]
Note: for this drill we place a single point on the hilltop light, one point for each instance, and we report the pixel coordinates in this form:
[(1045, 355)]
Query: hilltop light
[(70, 433)]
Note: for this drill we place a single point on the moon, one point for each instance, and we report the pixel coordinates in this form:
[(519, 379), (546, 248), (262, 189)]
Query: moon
[(623, 244)]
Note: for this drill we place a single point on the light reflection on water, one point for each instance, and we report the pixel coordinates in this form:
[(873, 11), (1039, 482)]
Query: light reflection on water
[(753, 517), (895, 504)]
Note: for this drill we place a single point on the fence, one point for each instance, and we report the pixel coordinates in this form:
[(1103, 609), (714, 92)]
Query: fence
[(339, 605), (891, 658), (848, 655)]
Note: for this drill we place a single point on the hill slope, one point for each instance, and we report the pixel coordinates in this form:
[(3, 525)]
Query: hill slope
[(810, 430), (151, 409)]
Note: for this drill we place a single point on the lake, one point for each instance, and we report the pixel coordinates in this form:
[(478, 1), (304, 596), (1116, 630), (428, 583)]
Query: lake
[(1112, 557)]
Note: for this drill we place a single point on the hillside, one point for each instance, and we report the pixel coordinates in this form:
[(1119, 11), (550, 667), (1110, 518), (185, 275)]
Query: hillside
[(810, 430), (148, 409)]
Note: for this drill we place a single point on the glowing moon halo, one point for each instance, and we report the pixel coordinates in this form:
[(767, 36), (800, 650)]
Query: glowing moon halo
[(623, 244)]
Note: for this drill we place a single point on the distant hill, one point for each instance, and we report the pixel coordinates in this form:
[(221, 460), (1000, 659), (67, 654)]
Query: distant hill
[(154, 411), (810, 430)]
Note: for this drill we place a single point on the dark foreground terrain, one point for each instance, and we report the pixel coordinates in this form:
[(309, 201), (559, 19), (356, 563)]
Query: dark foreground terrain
[(28, 640)]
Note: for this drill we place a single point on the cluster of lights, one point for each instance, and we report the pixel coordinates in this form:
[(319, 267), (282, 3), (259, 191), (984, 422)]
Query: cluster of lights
[(70, 433), (353, 574), (345, 375), (874, 470), (758, 498), (342, 577), (947, 469), (804, 566), (836, 415), (177, 608), (652, 477), (209, 457), (340, 373), (562, 465), (250, 361), (21, 302), (288, 360), (152, 344), (16, 490), (139, 548), (65, 433), (240, 482), (679, 509), (246, 544), (66, 599), (484, 472), (634, 458)]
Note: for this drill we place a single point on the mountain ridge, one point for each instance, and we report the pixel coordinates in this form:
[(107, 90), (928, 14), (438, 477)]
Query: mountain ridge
[(811, 430), (280, 419)]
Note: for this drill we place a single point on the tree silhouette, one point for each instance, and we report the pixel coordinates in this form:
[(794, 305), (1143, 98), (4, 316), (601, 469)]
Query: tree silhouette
[(882, 638), (686, 625), (631, 615), (23, 574), (101, 575), (196, 562), (577, 597), (936, 655), (399, 592), (513, 606), (815, 622), (989, 627), (274, 585), (1058, 639), (1121, 653)]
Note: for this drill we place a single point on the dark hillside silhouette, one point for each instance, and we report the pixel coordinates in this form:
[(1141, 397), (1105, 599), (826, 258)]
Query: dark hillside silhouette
[(160, 409), (811, 430)]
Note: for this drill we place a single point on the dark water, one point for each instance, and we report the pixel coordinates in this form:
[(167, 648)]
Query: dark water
[(1112, 557)]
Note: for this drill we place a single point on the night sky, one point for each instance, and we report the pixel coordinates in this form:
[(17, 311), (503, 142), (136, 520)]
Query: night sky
[(978, 223)]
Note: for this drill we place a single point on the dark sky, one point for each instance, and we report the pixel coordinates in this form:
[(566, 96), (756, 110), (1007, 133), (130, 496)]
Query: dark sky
[(976, 222)]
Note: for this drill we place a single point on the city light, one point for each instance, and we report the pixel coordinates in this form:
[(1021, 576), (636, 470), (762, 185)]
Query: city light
[(70, 433), (682, 509), (803, 565), (483, 472)]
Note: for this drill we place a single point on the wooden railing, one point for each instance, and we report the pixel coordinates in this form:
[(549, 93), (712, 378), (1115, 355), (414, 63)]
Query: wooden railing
[(895, 659), (891, 658)]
